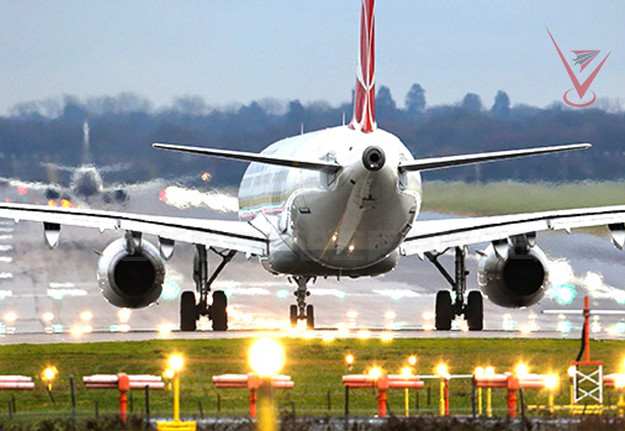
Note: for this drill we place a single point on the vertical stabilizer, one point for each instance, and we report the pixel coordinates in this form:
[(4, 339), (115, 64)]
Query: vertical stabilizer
[(364, 99)]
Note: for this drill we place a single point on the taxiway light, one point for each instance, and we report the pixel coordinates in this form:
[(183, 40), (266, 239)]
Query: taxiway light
[(551, 382), (176, 363), (442, 371), (412, 360), (522, 370), (479, 372), (375, 373), (489, 371), (266, 357), (571, 371), (49, 374), (406, 371), (349, 360)]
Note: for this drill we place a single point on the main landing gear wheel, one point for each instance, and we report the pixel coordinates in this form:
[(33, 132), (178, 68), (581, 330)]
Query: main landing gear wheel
[(218, 313), (190, 311), (310, 317), (301, 311), (474, 312), (444, 311)]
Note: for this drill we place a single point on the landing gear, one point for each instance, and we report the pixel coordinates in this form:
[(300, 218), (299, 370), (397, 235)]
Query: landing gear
[(301, 311), (190, 311), (446, 310)]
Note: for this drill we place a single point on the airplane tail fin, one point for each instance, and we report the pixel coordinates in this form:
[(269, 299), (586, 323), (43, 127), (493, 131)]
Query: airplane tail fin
[(364, 98)]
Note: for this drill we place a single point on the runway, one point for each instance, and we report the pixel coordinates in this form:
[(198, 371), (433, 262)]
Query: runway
[(52, 295)]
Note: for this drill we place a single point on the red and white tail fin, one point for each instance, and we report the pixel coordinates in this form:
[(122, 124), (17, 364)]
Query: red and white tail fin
[(364, 99)]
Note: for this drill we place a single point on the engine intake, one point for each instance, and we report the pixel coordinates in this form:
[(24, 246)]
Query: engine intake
[(131, 280), (516, 279)]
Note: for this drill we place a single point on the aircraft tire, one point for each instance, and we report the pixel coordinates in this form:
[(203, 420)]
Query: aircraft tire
[(444, 311), (219, 315), (293, 315), (188, 312), (310, 317), (475, 311)]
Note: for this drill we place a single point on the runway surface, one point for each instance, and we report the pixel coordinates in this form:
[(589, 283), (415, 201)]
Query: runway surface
[(52, 295)]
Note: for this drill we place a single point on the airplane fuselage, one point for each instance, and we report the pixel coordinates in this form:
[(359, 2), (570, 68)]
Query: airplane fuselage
[(350, 222)]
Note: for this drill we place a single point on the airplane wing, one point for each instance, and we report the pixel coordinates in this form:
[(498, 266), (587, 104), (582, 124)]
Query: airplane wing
[(235, 235), (438, 235)]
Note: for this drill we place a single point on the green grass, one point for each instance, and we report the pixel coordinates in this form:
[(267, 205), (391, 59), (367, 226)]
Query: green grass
[(514, 197), (315, 366)]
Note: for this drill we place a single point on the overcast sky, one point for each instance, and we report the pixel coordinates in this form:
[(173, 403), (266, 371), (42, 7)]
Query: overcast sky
[(239, 51)]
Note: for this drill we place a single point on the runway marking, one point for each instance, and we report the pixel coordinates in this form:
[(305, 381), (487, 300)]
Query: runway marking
[(6, 237), (6, 247), (6, 259), (5, 275)]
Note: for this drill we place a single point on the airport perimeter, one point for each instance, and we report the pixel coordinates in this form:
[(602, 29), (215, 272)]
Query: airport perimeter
[(316, 366)]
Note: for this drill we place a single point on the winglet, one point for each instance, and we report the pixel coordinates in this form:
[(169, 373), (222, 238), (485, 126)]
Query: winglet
[(364, 99)]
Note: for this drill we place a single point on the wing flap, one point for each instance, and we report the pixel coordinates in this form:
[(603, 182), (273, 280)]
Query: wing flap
[(228, 234), (438, 235)]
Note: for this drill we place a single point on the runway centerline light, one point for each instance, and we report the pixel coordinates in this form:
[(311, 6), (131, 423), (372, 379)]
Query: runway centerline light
[(266, 357), (48, 316), (85, 316), (10, 317), (176, 362)]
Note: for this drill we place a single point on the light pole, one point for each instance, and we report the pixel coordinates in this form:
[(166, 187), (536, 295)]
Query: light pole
[(49, 375), (266, 358), (175, 364), (489, 372), (441, 370)]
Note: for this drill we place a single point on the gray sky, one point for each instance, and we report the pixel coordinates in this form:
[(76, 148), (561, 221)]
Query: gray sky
[(239, 51)]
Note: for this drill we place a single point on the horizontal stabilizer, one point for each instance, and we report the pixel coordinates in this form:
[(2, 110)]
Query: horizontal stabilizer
[(252, 157), (470, 159)]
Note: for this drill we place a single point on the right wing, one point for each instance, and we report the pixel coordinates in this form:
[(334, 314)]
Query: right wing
[(233, 235), (439, 235)]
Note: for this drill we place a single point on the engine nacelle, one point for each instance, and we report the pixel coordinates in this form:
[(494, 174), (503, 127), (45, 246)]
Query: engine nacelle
[(515, 278), (131, 280)]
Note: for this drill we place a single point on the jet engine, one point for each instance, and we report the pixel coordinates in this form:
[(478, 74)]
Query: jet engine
[(513, 273), (131, 273)]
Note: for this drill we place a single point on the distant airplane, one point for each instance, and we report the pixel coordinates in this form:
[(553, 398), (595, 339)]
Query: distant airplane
[(341, 202), (86, 181)]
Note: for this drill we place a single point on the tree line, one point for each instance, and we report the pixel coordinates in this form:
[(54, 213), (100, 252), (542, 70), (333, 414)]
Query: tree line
[(123, 127)]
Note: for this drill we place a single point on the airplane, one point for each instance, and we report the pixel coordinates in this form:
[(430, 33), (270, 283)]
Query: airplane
[(85, 181), (344, 202)]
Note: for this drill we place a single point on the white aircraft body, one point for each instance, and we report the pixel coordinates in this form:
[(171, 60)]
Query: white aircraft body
[(343, 201)]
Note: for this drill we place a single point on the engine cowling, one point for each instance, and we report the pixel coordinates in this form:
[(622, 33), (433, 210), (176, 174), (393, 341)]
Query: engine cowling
[(516, 278), (131, 280)]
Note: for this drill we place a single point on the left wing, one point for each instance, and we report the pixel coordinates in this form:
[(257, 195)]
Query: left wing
[(438, 235), (234, 235)]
